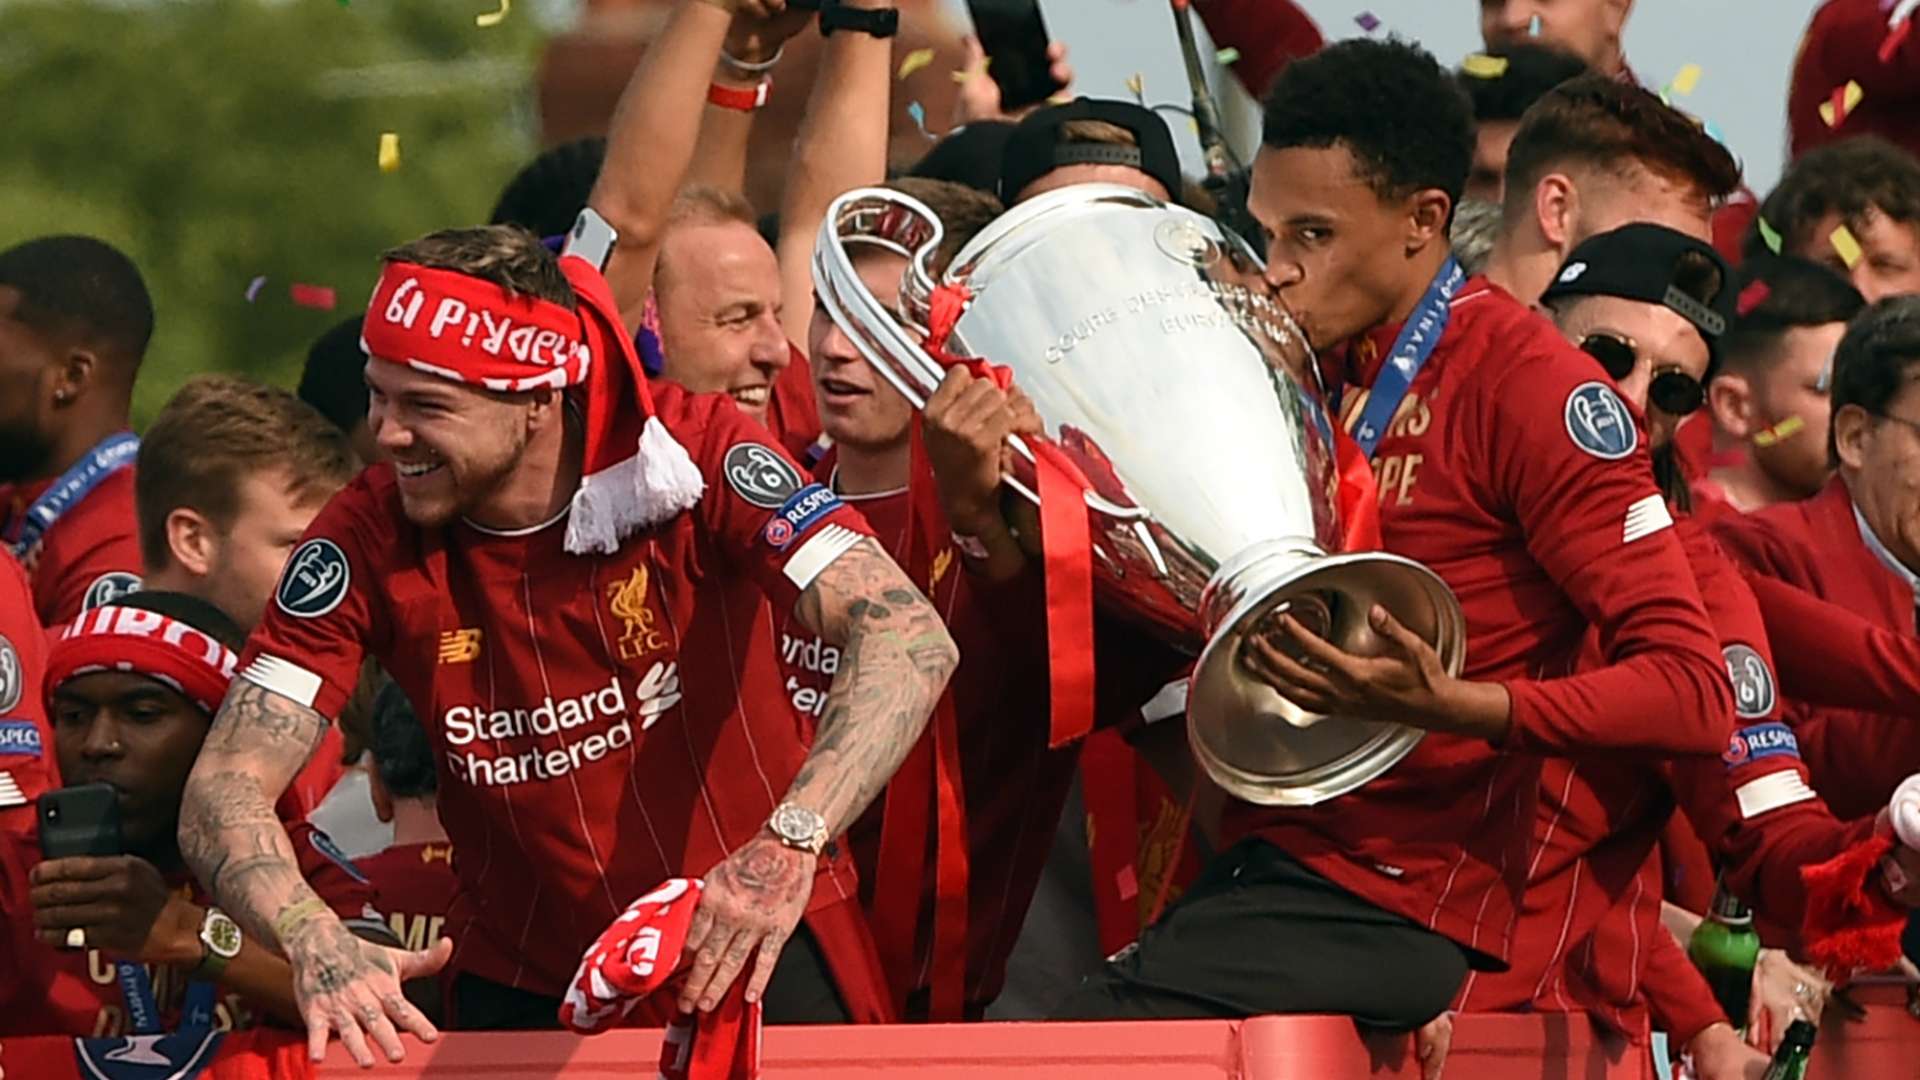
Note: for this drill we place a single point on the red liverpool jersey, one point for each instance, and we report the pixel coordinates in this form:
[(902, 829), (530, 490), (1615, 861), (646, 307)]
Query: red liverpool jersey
[(1515, 472), (1013, 786), (49, 991), (601, 722), (26, 742), (89, 557), (413, 885)]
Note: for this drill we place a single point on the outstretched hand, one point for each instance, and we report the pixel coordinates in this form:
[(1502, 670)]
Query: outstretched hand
[(979, 95), (750, 906), (346, 985)]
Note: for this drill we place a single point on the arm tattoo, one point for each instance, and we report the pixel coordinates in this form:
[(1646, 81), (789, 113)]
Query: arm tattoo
[(896, 656), (229, 833)]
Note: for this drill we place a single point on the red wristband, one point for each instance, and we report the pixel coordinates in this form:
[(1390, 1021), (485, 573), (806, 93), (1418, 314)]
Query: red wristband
[(742, 99)]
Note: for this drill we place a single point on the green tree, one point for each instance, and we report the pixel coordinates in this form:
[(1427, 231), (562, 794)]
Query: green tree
[(220, 140)]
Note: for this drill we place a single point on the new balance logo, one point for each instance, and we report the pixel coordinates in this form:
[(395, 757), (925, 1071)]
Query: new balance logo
[(459, 646), (1644, 518)]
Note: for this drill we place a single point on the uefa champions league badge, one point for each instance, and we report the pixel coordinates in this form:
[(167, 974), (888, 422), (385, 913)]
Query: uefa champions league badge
[(110, 588), (12, 677), (1753, 693), (316, 580), (760, 475), (1599, 423)]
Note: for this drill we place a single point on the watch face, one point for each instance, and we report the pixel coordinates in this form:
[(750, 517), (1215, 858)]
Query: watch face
[(222, 936), (797, 824)]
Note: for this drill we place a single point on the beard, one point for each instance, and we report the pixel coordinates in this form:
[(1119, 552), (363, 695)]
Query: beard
[(24, 453), (471, 483)]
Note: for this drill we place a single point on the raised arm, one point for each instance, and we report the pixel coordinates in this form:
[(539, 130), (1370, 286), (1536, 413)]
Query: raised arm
[(650, 142), (753, 43), (896, 656), (841, 144), (239, 850)]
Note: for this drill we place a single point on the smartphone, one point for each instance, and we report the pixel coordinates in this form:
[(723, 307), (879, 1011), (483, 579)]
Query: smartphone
[(82, 820), (1015, 39)]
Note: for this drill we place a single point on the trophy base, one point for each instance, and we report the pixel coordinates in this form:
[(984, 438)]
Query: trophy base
[(1259, 746)]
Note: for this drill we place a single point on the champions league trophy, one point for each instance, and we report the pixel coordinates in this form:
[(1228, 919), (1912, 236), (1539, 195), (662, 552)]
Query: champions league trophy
[(1193, 405)]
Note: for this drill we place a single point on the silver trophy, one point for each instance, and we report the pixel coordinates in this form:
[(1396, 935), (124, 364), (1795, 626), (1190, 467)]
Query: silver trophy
[(1163, 367)]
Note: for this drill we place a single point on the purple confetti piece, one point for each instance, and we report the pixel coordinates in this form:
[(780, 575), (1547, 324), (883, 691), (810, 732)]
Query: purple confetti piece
[(1367, 21), (253, 287)]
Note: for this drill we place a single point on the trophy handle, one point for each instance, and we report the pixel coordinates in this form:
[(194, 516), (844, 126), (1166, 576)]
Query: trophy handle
[(890, 340)]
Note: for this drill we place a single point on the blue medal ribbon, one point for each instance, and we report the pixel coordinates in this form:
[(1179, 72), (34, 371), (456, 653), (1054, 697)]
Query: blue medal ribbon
[(143, 1013), (1410, 352), (112, 454)]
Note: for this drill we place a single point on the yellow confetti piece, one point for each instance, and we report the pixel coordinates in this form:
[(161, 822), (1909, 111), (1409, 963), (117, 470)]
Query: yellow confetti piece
[(914, 61), (1688, 78), (494, 18), (963, 76), (1137, 85), (1227, 55), (1849, 248), (1779, 433), (389, 151), (1482, 66), (1849, 96)]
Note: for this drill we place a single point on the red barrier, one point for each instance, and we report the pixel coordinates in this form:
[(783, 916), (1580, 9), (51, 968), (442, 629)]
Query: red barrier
[(1884, 1046), (1316, 1047)]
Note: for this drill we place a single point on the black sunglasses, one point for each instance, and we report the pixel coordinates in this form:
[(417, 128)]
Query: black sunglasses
[(1672, 391)]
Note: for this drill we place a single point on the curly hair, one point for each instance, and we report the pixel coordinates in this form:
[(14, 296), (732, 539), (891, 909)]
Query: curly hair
[(1388, 103), (1848, 178)]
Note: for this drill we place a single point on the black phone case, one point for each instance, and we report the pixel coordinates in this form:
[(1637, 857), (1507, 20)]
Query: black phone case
[(1014, 37), (82, 820)]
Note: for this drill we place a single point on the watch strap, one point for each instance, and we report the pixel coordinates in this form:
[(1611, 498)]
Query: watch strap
[(212, 964), (879, 22)]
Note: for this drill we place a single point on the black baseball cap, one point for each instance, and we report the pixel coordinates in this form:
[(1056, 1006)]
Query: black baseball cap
[(1035, 150), (1642, 262)]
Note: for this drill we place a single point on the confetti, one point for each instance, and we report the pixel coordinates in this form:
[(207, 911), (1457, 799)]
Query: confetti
[(914, 61), (1894, 38), (963, 76), (1713, 132), (1780, 432), (1226, 56), (1767, 235), (1533, 27), (389, 152), (1368, 23), (1137, 85), (1482, 66), (919, 114), (318, 297), (1844, 243), (1751, 297), (1688, 78), (253, 287), (494, 18), (1835, 109)]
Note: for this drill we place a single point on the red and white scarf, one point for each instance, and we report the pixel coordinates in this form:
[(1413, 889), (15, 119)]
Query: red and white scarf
[(147, 643), (639, 956), (454, 326)]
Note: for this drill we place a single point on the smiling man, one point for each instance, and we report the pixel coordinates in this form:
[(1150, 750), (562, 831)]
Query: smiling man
[(570, 577)]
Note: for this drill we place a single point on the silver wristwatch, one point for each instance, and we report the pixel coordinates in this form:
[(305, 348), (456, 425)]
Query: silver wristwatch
[(798, 827)]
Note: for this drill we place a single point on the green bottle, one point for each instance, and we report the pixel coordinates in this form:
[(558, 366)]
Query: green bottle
[(1790, 1061), (1725, 948)]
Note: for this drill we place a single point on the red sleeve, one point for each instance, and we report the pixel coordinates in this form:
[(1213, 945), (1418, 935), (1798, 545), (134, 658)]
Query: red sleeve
[(1756, 809), (768, 517), (1268, 34), (1551, 440), (326, 612), (1677, 994), (26, 741), (1820, 640), (337, 880), (91, 555)]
